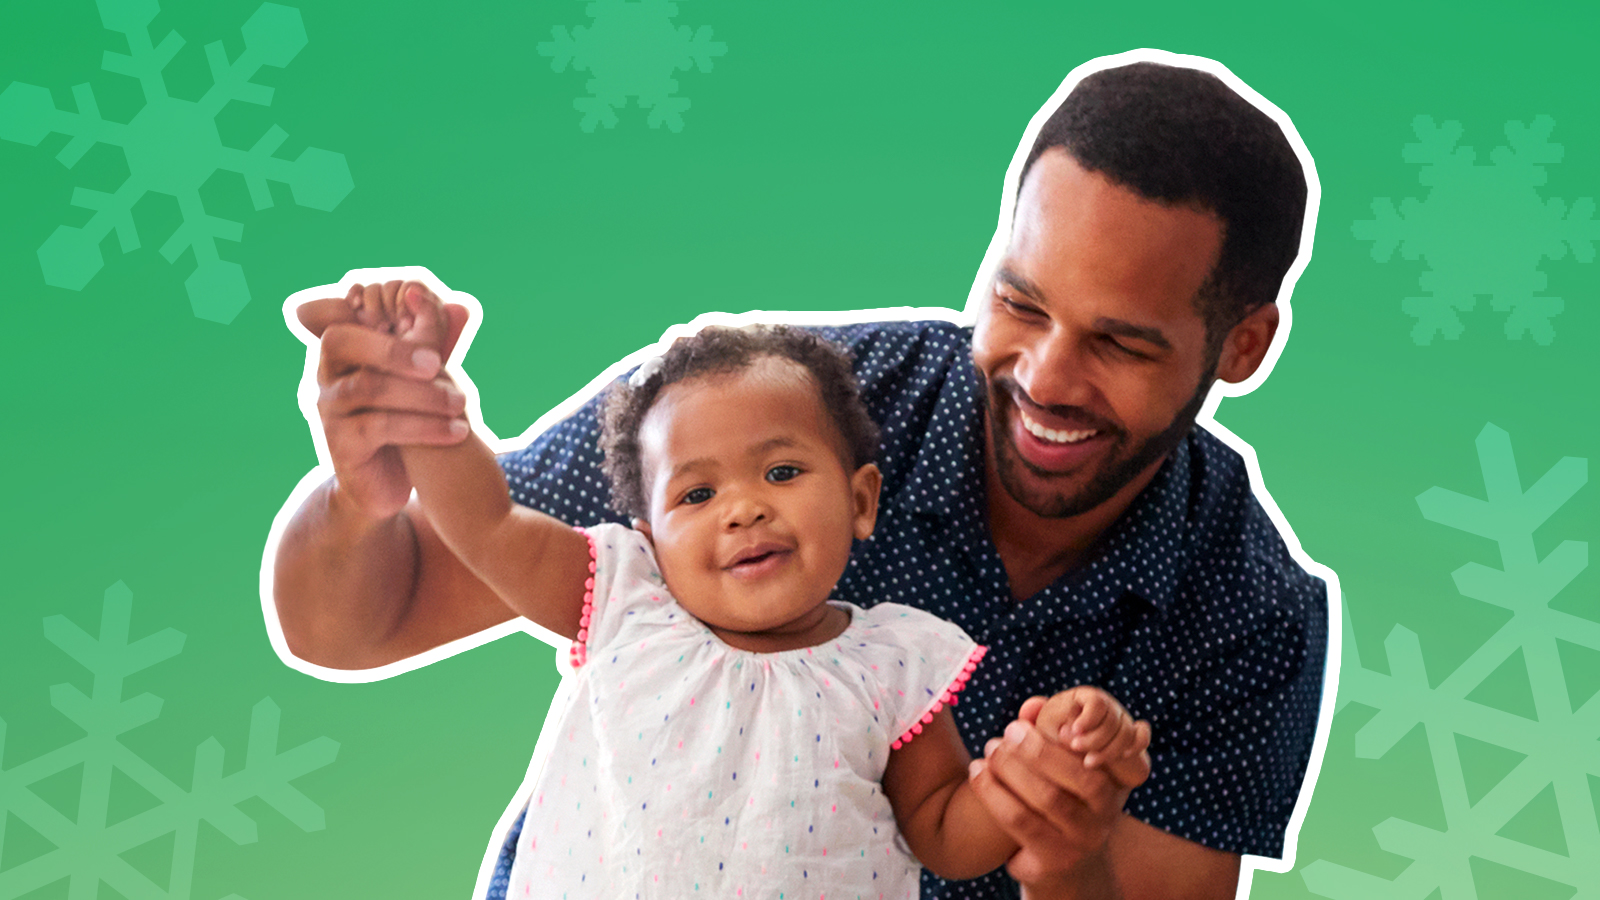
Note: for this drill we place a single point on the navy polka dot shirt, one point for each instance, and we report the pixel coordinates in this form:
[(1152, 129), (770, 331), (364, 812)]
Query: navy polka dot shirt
[(1191, 611)]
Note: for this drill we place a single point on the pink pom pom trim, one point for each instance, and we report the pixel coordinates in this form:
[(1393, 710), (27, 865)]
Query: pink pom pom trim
[(948, 698), (579, 652)]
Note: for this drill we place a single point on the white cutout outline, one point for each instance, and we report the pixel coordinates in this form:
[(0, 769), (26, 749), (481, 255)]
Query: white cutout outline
[(308, 390)]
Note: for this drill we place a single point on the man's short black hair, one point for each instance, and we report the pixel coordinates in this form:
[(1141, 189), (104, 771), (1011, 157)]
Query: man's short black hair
[(1183, 137), (718, 349)]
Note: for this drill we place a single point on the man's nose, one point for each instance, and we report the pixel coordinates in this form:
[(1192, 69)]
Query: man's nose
[(1052, 371)]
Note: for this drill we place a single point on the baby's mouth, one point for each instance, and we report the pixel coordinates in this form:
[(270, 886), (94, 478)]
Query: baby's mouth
[(757, 559)]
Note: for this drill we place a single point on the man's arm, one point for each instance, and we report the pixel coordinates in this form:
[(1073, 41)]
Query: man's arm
[(361, 579), (1149, 862), (357, 593)]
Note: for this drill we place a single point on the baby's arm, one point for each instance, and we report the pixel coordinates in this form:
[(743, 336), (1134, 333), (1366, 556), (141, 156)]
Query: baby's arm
[(536, 563), (942, 820)]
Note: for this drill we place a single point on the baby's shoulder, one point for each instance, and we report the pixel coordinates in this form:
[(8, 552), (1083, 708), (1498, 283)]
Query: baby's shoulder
[(909, 640), (918, 661), (624, 591), (890, 621), (621, 552)]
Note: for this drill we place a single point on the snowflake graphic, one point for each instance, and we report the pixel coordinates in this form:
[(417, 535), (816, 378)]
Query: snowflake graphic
[(631, 50), (91, 848), (1512, 735), (172, 147), (1482, 229)]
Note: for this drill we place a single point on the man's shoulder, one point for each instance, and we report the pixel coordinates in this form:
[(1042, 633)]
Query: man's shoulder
[(892, 343), (1233, 538)]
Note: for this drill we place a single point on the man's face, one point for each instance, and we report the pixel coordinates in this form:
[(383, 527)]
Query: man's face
[(1092, 352)]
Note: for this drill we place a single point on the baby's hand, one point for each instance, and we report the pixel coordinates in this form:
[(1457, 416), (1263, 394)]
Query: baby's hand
[(1090, 721), (405, 309)]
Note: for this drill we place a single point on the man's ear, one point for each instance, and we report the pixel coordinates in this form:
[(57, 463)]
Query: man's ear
[(864, 487), (1246, 344), (643, 528)]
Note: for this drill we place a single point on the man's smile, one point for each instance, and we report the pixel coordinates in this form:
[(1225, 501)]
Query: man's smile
[(1052, 435), (1050, 442)]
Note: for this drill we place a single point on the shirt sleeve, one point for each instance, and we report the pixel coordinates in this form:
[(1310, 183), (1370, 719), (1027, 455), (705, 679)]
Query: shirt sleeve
[(1231, 745)]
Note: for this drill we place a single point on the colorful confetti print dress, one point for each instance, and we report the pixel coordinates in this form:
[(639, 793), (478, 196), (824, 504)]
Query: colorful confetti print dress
[(677, 766)]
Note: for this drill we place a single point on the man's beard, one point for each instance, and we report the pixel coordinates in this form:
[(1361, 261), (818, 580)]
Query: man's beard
[(1124, 464)]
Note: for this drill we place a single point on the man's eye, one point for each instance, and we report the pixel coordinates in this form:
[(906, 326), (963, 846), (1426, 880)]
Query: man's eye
[(1015, 306), (782, 473), (698, 495), (1124, 350)]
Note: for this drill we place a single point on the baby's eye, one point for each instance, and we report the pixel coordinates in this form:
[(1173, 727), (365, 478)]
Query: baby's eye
[(698, 495), (783, 473)]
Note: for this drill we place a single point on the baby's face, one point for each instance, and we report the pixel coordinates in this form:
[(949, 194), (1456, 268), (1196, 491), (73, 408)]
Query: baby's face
[(752, 509)]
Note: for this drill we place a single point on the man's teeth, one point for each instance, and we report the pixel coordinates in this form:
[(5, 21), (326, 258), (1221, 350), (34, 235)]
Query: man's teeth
[(1054, 436)]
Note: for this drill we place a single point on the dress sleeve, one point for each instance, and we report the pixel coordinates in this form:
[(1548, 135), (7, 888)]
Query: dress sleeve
[(924, 663), (622, 573)]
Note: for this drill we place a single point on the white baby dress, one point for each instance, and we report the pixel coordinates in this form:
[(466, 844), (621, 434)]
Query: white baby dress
[(683, 767)]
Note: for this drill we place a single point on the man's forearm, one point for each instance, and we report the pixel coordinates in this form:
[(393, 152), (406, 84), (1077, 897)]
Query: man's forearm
[(1091, 880), (342, 582)]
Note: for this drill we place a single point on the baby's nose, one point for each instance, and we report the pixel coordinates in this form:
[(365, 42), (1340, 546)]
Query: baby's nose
[(744, 511)]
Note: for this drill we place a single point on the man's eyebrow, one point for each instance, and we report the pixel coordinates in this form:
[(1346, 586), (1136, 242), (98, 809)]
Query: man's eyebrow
[(1020, 283), (1121, 327), (1137, 332)]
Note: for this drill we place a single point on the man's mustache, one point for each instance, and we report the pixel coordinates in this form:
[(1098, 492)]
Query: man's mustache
[(1080, 417)]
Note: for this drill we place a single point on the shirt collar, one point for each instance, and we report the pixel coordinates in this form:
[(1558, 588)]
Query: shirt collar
[(1147, 549)]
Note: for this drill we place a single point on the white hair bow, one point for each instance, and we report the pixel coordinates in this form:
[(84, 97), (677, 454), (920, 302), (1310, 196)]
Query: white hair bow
[(642, 374)]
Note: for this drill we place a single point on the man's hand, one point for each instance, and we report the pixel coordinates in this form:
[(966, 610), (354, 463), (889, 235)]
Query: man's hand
[(1091, 722), (1060, 810), (379, 390), (1064, 807), (359, 579)]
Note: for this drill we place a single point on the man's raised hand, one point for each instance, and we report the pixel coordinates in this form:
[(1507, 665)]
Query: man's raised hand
[(380, 390)]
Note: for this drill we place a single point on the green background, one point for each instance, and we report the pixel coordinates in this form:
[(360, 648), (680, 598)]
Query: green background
[(838, 156)]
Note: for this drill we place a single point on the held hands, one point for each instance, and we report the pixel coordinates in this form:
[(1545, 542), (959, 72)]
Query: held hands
[(1090, 721), (382, 385), (412, 313), (1057, 781)]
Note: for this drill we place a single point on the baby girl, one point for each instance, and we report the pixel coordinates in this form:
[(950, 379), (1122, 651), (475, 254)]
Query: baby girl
[(733, 731)]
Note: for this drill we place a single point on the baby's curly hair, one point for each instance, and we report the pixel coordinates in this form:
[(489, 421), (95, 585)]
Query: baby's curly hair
[(721, 349)]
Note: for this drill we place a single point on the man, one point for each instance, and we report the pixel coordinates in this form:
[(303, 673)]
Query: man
[(1044, 487)]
